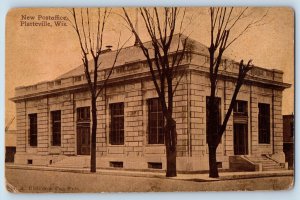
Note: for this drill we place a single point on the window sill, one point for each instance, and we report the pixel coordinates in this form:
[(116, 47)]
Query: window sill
[(155, 149), (155, 145), (116, 145), (54, 150)]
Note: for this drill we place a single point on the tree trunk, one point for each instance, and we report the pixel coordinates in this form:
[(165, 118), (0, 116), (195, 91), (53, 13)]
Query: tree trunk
[(171, 163), (93, 141), (213, 168), (213, 135), (170, 139)]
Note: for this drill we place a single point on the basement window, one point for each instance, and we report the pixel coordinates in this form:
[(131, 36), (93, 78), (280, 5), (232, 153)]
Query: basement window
[(116, 164), (219, 165), (29, 162), (154, 165)]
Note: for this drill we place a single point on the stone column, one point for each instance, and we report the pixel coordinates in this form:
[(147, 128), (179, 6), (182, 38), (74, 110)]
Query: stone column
[(133, 119), (68, 130), (43, 127), (21, 127)]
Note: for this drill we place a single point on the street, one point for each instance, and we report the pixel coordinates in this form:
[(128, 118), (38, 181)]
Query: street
[(36, 181)]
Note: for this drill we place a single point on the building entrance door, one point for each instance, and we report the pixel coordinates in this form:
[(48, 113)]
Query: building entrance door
[(83, 139), (240, 139)]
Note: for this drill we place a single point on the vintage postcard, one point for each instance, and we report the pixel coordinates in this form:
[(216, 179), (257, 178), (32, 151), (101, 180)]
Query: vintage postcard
[(149, 99)]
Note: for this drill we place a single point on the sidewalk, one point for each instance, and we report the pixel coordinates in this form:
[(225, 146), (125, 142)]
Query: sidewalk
[(198, 177)]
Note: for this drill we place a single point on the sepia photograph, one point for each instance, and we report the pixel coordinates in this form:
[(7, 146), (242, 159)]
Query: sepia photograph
[(149, 99)]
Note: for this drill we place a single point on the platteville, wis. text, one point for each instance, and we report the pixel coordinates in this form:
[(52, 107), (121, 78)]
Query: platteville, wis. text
[(43, 20)]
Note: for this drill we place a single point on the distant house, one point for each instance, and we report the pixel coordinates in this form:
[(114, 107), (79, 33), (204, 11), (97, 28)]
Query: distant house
[(54, 121), (10, 145), (288, 139)]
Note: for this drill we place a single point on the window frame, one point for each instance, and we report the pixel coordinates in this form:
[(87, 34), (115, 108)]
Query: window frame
[(83, 121), (85, 116), (117, 124), (292, 129), (264, 131), (33, 130), (240, 104), (55, 133), (159, 129)]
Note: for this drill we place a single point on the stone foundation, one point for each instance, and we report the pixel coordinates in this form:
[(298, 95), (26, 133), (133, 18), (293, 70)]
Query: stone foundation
[(184, 164)]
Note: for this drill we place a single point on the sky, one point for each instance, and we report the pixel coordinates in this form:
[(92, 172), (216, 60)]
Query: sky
[(36, 54)]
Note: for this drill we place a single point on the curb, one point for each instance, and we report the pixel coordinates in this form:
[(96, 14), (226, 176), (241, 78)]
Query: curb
[(258, 175), (191, 177)]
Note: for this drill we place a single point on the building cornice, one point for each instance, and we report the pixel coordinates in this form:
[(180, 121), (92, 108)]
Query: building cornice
[(63, 88)]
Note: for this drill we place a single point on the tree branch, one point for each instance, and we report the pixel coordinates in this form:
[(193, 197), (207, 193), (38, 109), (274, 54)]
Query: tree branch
[(118, 51)]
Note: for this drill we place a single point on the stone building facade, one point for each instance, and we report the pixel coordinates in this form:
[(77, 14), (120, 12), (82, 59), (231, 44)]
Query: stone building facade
[(53, 120), (288, 139)]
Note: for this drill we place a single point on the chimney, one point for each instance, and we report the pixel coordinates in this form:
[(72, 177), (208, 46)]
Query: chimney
[(108, 49)]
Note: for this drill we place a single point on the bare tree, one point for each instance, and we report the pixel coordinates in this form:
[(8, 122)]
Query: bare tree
[(222, 21), (165, 71), (90, 33)]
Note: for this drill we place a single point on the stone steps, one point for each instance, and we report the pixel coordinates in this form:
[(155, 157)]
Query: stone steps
[(267, 163), (272, 166)]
